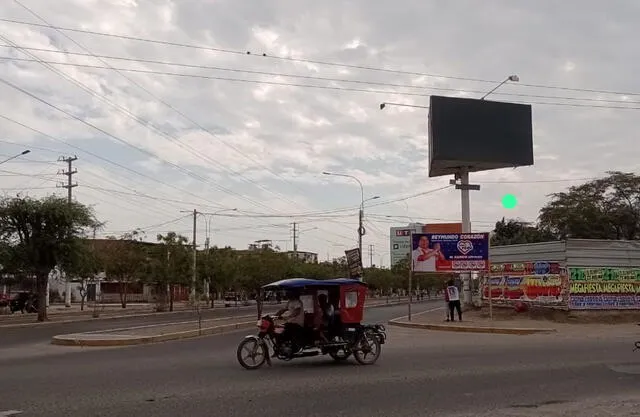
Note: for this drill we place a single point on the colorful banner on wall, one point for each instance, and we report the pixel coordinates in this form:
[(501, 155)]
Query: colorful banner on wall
[(434, 252), (604, 288), (543, 283)]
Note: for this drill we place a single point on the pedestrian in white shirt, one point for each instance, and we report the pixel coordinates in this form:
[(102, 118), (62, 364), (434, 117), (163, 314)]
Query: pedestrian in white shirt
[(454, 300)]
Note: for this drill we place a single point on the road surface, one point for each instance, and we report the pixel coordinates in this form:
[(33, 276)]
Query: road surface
[(17, 336), (420, 373)]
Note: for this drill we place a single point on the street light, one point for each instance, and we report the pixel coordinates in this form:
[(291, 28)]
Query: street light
[(361, 229), (208, 217), (16, 156), (512, 78), (387, 103)]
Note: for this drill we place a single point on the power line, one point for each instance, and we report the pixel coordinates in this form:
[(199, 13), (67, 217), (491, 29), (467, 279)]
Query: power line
[(158, 99), (144, 123), (148, 125), (308, 61), (359, 90), (123, 167), (276, 74)]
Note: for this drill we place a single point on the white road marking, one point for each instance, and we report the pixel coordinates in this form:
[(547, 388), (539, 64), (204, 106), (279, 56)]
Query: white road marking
[(10, 413)]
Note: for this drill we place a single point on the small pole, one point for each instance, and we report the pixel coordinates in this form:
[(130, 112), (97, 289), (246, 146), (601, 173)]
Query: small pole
[(490, 298), (410, 293), (410, 278)]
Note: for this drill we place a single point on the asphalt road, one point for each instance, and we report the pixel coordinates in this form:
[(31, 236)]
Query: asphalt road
[(420, 373), (16, 336)]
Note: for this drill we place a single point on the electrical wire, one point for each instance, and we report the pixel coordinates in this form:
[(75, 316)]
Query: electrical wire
[(183, 115), (269, 73), (145, 123), (360, 90), (308, 61)]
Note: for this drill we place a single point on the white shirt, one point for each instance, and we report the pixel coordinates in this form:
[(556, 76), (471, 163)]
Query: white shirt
[(428, 265), (454, 294), (292, 306)]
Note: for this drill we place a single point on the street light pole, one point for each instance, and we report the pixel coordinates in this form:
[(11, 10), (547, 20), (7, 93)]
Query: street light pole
[(15, 156), (361, 230), (209, 217)]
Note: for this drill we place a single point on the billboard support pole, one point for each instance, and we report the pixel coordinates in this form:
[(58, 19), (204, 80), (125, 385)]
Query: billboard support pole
[(466, 228)]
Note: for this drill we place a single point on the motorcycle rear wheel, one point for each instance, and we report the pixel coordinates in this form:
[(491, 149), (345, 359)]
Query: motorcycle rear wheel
[(254, 348), (366, 344)]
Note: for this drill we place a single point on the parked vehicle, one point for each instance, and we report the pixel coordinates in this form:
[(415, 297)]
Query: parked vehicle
[(345, 336), (24, 301)]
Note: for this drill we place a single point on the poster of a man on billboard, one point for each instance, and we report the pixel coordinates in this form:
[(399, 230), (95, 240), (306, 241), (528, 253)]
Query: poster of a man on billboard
[(433, 252)]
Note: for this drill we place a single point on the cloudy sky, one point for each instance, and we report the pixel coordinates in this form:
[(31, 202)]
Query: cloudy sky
[(171, 113)]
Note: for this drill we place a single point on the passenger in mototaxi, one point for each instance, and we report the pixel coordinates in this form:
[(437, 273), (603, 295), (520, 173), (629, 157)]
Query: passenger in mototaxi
[(324, 317)]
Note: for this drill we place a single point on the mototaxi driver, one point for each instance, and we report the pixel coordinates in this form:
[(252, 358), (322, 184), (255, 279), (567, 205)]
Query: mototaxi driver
[(294, 318)]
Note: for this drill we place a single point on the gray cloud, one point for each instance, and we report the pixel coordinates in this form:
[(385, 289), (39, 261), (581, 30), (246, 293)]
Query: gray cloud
[(270, 143)]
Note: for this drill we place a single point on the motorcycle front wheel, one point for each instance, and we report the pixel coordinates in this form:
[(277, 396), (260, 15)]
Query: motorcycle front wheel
[(252, 353)]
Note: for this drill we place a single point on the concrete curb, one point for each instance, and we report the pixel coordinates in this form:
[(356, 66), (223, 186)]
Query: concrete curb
[(77, 340), (402, 322), (71, 340), (134, 315), (108, 317)]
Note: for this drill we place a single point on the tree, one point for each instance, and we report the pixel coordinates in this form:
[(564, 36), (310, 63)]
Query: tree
[(124, 259), (512, 232), (260, 267), (221, 266), (42, 234), (606, 208), (86, 265), (172, 266)]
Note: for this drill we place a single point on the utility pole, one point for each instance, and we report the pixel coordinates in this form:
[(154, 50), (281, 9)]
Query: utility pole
[(206, 289), (195, 272), (70, 172), (361, 230), (371, 256), (295, 240), (195, 257)]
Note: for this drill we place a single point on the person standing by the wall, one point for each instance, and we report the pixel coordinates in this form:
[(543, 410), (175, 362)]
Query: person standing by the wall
[(447, 309), (453, 296)]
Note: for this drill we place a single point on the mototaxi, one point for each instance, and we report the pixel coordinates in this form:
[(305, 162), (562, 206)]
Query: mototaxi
[(343, 336)]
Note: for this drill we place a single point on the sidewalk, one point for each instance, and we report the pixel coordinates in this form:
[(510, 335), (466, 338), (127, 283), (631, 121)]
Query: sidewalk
[(477, 321)]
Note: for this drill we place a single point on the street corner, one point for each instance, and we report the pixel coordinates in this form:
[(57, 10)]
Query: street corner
[(144, 335), (468, 328)]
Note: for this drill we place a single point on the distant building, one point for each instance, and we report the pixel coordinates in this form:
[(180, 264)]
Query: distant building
[(308, 257)]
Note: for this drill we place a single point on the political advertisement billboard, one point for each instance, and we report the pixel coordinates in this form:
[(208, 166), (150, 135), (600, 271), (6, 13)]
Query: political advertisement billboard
[(400, 237), (449, 252)]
